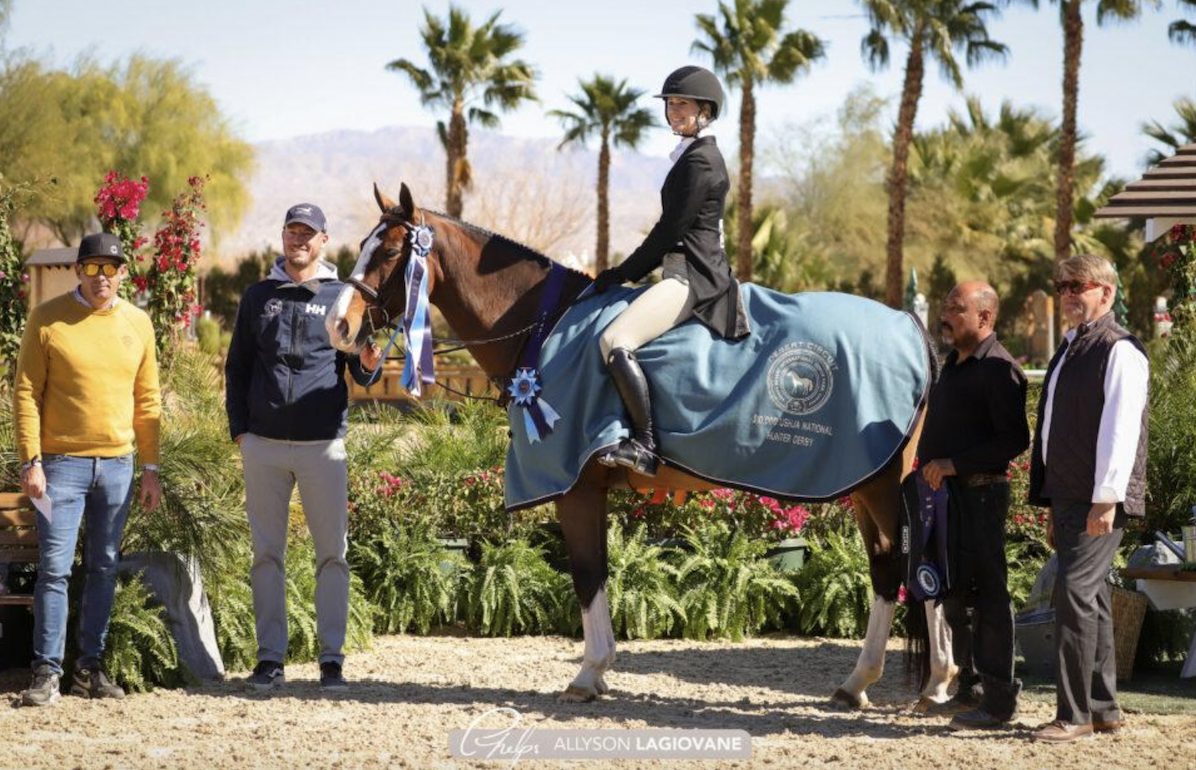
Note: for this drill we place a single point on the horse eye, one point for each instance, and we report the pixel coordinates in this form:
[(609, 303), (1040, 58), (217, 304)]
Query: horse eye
[(392, 253)]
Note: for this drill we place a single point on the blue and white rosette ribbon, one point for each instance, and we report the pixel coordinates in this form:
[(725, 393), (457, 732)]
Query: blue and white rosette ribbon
[(538, 414), (418, 367)]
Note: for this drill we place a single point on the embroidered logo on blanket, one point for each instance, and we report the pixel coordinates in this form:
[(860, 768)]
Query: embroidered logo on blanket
[(801, 377)]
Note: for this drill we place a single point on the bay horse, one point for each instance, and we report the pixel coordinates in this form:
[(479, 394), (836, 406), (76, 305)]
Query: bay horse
[(488, 289)]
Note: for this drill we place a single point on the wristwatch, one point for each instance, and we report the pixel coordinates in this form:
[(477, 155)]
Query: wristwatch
[(30, 464)]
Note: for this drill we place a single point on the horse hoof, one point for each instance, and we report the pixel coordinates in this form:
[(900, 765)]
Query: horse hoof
[(844, 698), (601, 686), (574, 694)]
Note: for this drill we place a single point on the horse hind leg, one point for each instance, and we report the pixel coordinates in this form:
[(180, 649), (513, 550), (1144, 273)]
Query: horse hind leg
[(582, 514), (943, 670)]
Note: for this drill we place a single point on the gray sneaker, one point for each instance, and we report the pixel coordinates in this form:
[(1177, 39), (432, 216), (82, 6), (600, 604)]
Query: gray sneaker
[(331, 677), (268, 675), (92, 682), (44, 690)]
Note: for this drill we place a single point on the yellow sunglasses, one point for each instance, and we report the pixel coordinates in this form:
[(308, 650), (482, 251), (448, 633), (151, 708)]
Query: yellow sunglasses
[(92, 269)]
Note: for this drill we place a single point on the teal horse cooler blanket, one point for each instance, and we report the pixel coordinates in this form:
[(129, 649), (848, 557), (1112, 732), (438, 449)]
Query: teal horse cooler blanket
[(817, 400)]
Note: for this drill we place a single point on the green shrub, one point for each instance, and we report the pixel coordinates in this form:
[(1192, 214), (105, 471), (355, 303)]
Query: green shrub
[(1171, 465), (835, 587), (407, 575), (513, 590), (231, 598), (728, 589), (641, 587), (139, 651), (207, 330)]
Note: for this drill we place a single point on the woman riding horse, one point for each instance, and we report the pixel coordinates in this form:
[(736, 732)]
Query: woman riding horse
[(688, 240)]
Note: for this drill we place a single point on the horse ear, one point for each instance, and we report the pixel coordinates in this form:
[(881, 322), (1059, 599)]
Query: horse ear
[(384, 203), (406, 202)]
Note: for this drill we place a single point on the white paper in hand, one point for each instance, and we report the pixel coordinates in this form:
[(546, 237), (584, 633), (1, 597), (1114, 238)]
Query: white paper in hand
[(43, 504)]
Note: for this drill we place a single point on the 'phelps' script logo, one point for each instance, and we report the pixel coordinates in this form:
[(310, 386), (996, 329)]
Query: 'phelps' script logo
[(801, 377)]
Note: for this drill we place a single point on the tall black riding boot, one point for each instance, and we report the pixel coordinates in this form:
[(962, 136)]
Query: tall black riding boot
[(637, 453)]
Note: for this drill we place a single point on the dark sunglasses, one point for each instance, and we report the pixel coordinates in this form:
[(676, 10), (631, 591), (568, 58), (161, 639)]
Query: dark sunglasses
[(1075, 287)]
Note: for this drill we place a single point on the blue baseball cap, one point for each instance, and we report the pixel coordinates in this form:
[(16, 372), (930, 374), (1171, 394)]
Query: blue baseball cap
[(308, 214)]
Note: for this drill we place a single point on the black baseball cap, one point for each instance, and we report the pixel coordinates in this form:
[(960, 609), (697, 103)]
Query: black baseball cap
[(308, 214), (100, 245)]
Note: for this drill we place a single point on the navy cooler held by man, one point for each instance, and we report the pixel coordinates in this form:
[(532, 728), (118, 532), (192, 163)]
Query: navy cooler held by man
[(1089, 466), (975, 425), (287, 404)]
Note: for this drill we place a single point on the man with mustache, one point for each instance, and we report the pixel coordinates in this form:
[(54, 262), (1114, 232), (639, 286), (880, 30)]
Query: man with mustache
[(975, 425), (1089, 466)]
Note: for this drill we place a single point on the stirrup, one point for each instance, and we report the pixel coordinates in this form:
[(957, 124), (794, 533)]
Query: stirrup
[(634, 456)]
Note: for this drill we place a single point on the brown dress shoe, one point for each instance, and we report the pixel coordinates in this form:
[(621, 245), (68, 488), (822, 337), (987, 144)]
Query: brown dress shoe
[(1111, 727), (1062, 732)]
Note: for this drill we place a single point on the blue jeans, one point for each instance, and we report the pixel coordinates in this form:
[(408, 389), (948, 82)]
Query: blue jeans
[(95, 491)]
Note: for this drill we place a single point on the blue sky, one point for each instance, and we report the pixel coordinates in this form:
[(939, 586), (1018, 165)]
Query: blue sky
[(281, 69)]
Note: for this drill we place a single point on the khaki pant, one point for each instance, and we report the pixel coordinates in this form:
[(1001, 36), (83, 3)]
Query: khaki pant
[(660, 308), (272, 469)]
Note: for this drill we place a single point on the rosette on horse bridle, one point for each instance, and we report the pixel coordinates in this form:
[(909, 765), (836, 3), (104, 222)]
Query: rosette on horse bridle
[(538, 415)]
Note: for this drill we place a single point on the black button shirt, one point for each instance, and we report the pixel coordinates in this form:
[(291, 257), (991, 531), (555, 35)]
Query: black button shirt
[(977, 412)]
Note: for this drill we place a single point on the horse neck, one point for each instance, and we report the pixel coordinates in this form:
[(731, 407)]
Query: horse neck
[(487, 304)]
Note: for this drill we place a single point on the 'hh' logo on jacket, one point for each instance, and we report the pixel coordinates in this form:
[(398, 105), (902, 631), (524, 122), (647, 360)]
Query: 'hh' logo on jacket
[(313, 309)]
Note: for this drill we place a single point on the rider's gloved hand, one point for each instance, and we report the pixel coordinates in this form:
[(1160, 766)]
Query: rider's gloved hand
[(608, 278)]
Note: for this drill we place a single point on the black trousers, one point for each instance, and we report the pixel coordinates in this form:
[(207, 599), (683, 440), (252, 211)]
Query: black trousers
[(982, 583), (1086, 675)]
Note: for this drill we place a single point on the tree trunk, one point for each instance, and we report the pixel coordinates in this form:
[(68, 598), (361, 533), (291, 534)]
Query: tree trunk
[(743, 206), (911, 92), (456, 159), (602, 252), (1073, 38)]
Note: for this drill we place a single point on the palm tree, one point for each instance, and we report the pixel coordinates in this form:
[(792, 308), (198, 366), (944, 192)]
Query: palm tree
[(940, 29), (1182, 31), (606, 108), (1073, 39), (1177, 135), (468, 65), (749, 50)]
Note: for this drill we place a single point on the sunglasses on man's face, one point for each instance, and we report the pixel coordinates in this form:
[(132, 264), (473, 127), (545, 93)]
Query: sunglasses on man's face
[(92, 269), (1074, 287)]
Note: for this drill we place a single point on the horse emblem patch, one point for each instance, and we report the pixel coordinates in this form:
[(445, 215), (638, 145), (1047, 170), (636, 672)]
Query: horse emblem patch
[(273, 307), (801, 378)]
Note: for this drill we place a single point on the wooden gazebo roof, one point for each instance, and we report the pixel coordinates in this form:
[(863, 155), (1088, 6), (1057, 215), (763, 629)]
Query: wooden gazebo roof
[(1166, 191)]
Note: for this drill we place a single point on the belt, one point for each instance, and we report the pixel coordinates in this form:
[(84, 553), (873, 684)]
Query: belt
[(984, 479)]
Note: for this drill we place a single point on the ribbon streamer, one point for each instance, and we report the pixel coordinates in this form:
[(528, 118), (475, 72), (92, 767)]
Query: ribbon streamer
[(418, 368)]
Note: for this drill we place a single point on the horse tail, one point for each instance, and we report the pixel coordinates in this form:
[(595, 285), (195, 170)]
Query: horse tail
[(917, 643)]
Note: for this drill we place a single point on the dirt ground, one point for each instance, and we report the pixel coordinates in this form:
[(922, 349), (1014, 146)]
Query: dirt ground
[(408, 693)]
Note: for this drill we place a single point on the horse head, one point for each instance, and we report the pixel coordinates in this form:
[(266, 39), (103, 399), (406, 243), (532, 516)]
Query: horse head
[(374, 296)]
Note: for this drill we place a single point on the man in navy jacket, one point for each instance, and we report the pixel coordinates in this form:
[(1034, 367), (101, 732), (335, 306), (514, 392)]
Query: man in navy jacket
[(288, 408)]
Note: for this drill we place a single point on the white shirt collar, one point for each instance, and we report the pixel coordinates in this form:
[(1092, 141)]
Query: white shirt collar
[(681, 147), (83, 301)]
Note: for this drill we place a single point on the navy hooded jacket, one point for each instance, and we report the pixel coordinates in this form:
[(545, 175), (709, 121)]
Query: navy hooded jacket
[(283, 379)]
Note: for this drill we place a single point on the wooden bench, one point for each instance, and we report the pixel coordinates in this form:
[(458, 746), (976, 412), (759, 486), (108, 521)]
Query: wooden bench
[(18, 543)]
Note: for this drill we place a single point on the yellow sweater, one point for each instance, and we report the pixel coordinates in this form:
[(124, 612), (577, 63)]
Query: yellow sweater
[(87, 382)]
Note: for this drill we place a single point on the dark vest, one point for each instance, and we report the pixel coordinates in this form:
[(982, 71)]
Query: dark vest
[(1070, 471)]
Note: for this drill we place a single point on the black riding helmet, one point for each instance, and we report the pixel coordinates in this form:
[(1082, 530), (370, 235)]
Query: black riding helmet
[(695, 83)]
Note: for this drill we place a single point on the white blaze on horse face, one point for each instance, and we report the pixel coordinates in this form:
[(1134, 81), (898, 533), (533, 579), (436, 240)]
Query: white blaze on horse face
[(341, 308)]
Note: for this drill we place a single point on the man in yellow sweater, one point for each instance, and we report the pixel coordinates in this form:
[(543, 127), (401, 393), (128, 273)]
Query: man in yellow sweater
[(86, 397)]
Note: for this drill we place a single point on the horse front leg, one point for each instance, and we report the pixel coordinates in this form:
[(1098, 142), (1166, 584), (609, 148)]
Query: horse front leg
[(582, 514), (875, 509)]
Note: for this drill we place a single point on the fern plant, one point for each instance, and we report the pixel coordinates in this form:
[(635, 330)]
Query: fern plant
[(641, 586), (728, 589), (407, 575), (513, 590), (835, 588), (140, 651), (232, 613)]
